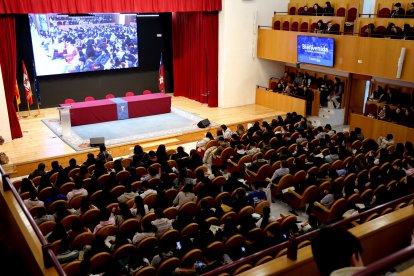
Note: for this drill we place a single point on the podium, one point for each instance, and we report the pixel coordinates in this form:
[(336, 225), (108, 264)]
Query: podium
[(65, 124)]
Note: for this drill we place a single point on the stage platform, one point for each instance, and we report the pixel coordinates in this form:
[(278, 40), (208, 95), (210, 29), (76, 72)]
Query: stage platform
[(40, 144)]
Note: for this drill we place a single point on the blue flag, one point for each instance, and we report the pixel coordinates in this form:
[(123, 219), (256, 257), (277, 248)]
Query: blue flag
[(36, 85)]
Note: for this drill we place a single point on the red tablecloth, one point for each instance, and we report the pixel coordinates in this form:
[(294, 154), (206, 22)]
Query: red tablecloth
[(145, 105), (83, 113)]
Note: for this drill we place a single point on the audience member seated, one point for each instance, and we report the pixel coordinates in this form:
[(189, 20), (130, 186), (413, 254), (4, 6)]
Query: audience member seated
[(317, 10), (139, 210), (161, 223), (184, 196), (33, 201), (148, 230), (66, 255), (385, 113), (103, 154), (337, 252), (304, 11), (392, 32), (78, 190), (105, 218), (328, 10), (385, 142), (72, 165), (410, 12), (39, 171), (257, 194), (397, 11), (407, 33)]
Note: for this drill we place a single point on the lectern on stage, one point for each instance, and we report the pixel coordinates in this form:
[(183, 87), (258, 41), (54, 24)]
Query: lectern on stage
[(64, 114)]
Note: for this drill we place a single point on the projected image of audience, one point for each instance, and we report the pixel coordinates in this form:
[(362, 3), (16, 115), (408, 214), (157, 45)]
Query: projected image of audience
[(71, 44)]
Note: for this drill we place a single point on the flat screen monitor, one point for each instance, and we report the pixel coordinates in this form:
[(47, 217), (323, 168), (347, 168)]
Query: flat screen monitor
[(82, 43), (316, 50)]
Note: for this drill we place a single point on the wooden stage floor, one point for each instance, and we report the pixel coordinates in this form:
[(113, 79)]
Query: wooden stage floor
[(39, 144)]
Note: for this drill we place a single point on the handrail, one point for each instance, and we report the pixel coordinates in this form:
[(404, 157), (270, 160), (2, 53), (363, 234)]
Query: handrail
[(387, 262), (49, 257), (378, 35), (307, 236), (287, 94)]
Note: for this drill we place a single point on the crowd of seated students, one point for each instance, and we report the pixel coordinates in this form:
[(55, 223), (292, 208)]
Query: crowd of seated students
[(325, 28), (290, 145), (317, 10), (300, 85), (392, 32), (397, 109), (399, 12)]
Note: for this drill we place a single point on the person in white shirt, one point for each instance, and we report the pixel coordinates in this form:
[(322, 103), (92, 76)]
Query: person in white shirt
[(78, 190), (253, 149), (33, 201), (139, 210), (129, 194), (385, 142), (281, 171), (184, 196), (163, 224), (147, 190), (202, 143), (148, 230), (105, 218), (226, 132)]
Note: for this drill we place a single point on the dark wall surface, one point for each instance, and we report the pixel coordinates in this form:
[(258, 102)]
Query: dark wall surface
[(56, 88)]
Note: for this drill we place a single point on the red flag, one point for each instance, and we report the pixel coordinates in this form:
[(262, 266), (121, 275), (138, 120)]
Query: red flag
[(161, 76), (27, 87)]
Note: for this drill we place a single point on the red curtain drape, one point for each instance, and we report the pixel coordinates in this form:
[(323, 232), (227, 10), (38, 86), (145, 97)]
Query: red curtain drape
[(85, 6), (195, 56), (8, 68)]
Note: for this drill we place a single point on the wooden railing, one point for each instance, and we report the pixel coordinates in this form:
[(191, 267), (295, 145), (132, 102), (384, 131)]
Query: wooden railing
[(387, 263), (274, 249), (49, 258)]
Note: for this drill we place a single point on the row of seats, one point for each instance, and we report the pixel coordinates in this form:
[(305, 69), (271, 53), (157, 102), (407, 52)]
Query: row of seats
[(107, 96)]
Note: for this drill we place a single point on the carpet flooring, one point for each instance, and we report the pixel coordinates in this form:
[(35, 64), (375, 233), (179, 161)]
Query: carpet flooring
[(123, 131)]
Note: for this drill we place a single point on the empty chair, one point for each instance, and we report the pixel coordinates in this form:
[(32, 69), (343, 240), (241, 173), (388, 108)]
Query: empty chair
[(69, 100), (129, 94), (146, 92), (89, 99), (109, 96)]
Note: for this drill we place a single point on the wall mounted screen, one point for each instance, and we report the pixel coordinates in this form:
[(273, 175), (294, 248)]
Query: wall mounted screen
[(82, 43), (316, 50)]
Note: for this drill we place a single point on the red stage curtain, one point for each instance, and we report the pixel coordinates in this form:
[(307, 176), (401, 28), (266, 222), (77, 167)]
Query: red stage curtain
[(195, 56), (85, 6), (8, 68)]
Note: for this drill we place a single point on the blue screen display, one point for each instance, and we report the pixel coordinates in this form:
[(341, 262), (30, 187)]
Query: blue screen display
[(316, 50)]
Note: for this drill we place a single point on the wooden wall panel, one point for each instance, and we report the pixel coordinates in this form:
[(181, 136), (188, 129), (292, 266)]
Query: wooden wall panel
[(280, 102), (378, 56), (373, 128)]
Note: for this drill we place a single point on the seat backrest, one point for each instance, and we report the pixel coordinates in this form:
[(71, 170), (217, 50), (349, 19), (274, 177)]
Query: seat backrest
[(276, 25), (292, 10), (129, 94), (340, 12), (295, 27), (384, 13), (146, 92), (89, 99), (69, 100), (352, 15), (109, 96), (304, 27), (285, 25)]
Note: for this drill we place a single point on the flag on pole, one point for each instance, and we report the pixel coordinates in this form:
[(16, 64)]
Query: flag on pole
[(27, 87), (36, 86), (17, 94), (161, 76)]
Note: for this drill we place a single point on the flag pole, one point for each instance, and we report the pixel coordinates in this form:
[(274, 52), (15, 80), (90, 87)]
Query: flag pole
[(28, 108), (18, 111), (38, 110)]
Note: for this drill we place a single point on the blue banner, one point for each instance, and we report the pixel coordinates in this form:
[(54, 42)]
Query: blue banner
[(122, 108)]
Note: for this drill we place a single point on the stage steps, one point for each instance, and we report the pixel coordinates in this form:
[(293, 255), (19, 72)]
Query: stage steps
[(334, 117)]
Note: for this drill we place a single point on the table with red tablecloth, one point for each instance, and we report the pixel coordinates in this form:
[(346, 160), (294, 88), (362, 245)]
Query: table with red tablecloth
[(91, 112)]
